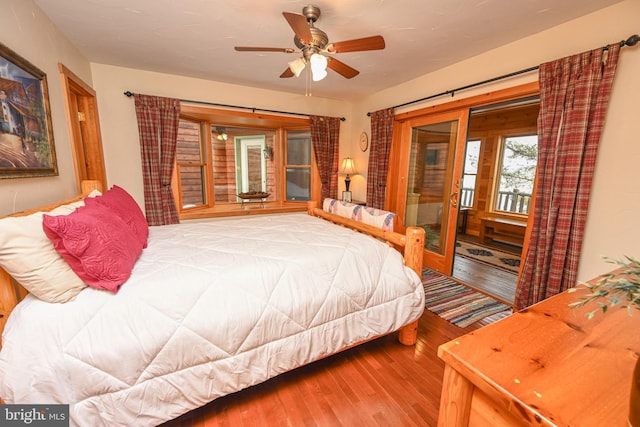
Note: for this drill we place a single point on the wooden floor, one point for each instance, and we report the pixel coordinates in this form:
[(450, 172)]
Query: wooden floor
[(494, 282), (379, 383)]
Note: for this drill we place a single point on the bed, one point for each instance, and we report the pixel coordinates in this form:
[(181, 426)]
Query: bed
[(208, 309)]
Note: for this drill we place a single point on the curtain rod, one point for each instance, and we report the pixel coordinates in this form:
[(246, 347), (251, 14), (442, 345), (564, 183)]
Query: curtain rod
[(252, 109), (631, 41)]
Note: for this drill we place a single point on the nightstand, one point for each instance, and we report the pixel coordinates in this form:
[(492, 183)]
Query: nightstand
[(359, 202)]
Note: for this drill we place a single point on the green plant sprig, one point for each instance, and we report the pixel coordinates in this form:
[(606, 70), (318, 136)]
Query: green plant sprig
[(622, 288)]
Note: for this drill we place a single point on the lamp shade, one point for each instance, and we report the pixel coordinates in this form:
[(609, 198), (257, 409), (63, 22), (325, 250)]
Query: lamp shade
[(296, 66), (318, 67), (348, 166)]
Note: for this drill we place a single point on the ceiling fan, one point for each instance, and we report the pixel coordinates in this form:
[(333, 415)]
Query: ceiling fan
[(314, 44)]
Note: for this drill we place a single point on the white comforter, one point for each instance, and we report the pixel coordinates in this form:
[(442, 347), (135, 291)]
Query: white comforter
[(211, 308)]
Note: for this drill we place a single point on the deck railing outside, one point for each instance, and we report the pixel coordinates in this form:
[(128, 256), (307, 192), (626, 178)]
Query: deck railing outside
[(466, 197), (508, 201)]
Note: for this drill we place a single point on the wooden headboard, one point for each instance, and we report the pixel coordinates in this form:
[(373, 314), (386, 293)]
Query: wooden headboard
[(10, 291)]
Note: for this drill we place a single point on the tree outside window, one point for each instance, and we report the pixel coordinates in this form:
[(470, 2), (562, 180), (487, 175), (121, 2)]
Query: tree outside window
[(516, 174), (470, 173)]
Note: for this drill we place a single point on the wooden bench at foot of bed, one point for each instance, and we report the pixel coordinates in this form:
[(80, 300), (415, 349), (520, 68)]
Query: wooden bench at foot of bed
[(508, 230)]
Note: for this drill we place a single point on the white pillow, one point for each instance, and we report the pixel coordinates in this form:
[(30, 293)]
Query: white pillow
[(28, 255)]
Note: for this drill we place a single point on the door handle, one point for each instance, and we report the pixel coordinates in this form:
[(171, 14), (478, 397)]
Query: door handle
[(454, 199)]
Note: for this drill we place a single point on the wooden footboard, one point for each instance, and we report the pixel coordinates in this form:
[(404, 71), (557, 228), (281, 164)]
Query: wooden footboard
[(411, 244)]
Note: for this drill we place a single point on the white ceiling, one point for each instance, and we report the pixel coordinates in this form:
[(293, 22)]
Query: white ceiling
[(196, 37)]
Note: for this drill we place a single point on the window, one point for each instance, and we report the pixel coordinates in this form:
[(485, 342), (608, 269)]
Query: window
[(240, 163), (470, 173), (217, 160), (190, 164), (298, 169), (517, 170)]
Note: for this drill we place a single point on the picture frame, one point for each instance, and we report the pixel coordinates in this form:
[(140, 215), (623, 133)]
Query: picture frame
[(26, 134), (346, 196), (431, 157)]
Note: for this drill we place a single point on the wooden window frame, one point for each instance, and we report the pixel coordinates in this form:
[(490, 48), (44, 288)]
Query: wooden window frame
[(207, 117)]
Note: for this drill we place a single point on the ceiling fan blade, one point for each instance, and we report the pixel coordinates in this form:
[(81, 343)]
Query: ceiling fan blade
[(357, 45), (299, 26), (287, 73), (341, 68), (264, 49)]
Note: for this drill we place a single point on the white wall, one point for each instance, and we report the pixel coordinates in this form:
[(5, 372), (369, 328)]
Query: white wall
[(612, 228), (120, 128), (29, 33)]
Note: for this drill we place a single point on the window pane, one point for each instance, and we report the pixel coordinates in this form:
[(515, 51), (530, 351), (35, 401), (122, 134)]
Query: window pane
[(191, 183), (241, 162), (188, 149), (471, 159), (517, 173), (298, 184), (190, 164), (428, 188), (299, 148), (224, 169)]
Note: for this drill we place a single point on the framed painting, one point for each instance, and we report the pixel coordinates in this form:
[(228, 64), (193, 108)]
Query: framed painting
[(432, 157), (26, 134)]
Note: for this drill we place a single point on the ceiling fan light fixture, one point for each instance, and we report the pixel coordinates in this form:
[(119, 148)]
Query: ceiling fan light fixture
[(318, 66), (318, 75), (296, 66), (310, 41)]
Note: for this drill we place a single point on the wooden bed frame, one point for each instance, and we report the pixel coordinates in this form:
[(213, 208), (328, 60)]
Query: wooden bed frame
[(411, 244)]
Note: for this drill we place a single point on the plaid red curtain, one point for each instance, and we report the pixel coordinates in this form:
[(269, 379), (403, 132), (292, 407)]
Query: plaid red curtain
[(381, 134), (158, 128), (574, 93), (325, 132)]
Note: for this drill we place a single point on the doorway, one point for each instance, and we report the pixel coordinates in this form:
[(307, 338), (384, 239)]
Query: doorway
[(497, 183), (84, 128), (456, 215), (253, 165)]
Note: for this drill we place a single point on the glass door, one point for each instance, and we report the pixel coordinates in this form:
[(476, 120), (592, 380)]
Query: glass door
[(252, 164), (434, 148)]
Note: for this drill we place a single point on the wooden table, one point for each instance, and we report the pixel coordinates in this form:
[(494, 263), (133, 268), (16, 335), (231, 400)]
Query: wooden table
[(547, 366)]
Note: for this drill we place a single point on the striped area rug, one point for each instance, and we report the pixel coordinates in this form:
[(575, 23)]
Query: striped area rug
[(456, 303)]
